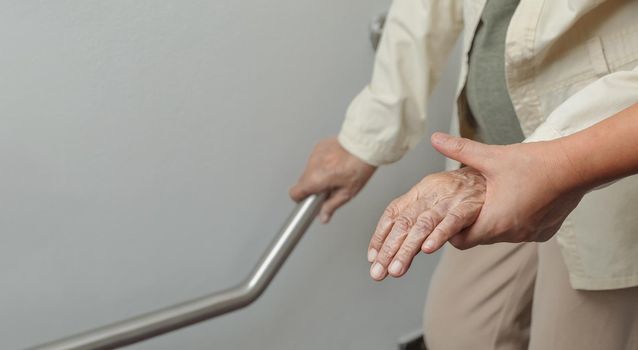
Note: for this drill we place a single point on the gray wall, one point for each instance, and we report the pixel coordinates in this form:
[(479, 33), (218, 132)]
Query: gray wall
[(146, 149)]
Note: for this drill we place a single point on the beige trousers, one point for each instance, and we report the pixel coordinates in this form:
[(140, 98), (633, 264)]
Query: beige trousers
[(517, 296)]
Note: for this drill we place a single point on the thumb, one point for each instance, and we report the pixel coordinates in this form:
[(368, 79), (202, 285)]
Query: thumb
[(466, 151)]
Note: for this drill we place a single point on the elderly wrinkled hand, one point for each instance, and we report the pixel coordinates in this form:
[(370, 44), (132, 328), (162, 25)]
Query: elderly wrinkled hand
[(424, 218), (332, 169)]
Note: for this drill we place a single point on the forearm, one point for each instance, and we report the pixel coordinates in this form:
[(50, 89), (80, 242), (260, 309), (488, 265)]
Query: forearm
[(604, 152)]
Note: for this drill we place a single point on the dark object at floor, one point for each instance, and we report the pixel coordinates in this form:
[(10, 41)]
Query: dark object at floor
[(414, 344)]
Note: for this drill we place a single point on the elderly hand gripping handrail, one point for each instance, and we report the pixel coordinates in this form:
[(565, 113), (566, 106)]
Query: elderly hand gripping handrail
[(197, 310)]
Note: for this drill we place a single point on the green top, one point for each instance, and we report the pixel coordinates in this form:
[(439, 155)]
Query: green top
[(486, 89)]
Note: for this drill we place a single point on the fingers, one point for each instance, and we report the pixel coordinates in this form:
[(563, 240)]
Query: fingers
[(337, 199), (458, 218), (306, 186), (412, 232), (425, 223), (395, 238), (466, 151), (383, 228), (435, 210)]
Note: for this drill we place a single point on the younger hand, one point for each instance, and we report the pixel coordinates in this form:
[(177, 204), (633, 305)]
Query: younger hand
[(531, 188)]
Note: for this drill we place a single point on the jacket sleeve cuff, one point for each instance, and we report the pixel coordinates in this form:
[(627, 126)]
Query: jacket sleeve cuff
[(368, 150)]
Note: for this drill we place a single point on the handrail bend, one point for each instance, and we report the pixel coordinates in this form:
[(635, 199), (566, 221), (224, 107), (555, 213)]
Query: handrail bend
[(174, 317)]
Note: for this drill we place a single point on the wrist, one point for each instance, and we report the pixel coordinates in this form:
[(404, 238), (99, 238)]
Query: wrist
[(570, 172), (552, 161)]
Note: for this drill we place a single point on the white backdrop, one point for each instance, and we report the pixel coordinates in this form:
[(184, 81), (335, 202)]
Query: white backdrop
[(146, 150)]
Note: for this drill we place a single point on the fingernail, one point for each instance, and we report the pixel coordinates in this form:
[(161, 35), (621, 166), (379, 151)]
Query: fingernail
[(372, 254), (324, 218), (395, 268), (439, 138), (429, 244), (376, 271)]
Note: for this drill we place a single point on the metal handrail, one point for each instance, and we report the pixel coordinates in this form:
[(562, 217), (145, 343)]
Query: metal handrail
[(174, 317)]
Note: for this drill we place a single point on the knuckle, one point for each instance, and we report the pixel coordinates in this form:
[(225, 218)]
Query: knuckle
[(459, 145), (376, 240), (316, 177), (391, 211), (409, 248), (297, 192), (403, 223), (387, 251), (456, 215), (425, 223)]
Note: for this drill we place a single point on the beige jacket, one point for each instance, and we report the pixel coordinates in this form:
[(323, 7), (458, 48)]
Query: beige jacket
[(569, 64)]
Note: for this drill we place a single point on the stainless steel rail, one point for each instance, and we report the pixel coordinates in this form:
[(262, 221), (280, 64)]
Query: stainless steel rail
[(181, 315)]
